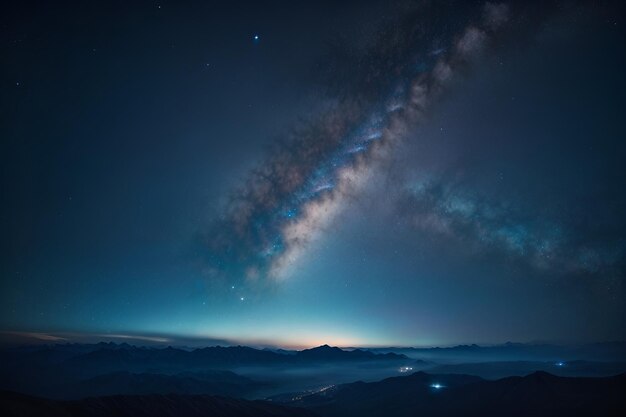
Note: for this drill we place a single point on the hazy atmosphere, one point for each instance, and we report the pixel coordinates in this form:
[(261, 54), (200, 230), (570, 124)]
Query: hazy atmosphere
[(388, 176)]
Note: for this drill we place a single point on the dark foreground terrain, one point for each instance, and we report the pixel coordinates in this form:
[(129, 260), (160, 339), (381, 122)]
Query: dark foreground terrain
[(419, 394), (12, 404), (422, 394)]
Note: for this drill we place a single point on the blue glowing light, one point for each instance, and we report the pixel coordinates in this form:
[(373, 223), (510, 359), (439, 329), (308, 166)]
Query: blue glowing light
[(560, 364), (437, 386)]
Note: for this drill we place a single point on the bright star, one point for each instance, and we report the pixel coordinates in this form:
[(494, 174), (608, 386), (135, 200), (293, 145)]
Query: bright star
[(256, 37)]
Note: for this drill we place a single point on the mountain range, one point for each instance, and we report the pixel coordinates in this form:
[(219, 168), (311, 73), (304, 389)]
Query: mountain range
[(76, 371), (420, 394), (606, 351)]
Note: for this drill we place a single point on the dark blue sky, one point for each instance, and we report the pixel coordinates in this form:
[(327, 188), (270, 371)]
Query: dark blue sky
[(366, 174)]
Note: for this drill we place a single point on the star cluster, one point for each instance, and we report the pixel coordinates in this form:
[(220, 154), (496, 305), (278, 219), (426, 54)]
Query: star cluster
[(295, 194)]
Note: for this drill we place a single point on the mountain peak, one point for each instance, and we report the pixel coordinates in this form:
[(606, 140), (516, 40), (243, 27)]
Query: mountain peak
[(323, 348), (541, 375)]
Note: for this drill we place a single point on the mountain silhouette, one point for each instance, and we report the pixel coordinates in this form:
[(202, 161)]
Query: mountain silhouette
[(538, 394), (19, 405), (75, 371), (330, 354)]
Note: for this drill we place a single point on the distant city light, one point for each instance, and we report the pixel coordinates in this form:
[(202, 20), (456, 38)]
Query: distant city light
[(437, 386), (404, 369), (560, 363)]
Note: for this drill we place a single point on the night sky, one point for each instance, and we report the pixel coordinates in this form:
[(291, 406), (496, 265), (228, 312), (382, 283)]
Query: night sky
[(299, 173)]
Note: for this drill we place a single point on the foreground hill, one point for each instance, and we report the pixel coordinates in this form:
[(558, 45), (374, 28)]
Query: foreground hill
[(17, 405), (421, 394)]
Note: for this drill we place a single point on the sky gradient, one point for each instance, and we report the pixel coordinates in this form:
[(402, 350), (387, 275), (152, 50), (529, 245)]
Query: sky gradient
[(358, 174)]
